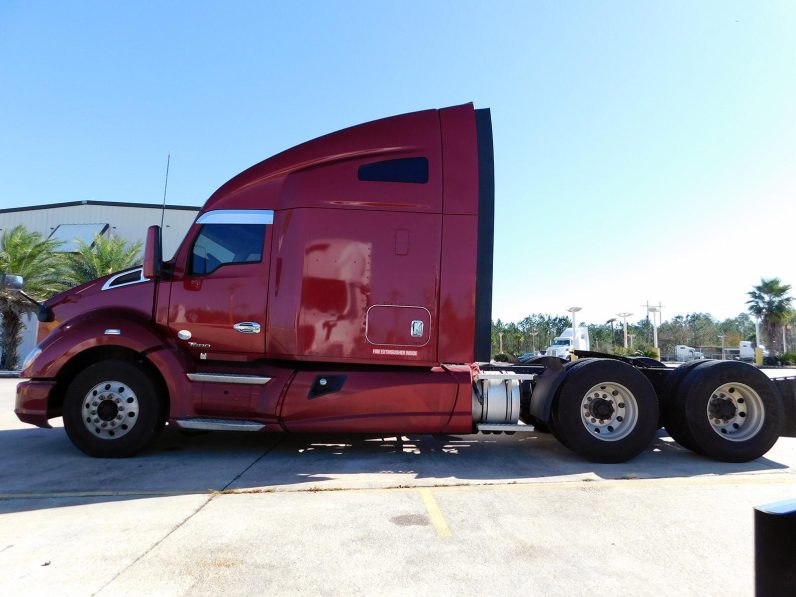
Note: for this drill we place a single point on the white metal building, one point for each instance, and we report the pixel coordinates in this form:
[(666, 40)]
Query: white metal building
[(83, 219), (126, 220)]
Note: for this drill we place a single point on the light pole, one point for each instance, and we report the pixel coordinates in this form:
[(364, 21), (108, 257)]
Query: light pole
[(574, 310), (533, 340), (624, 317), (721, 337), (500, 335), (655, 311), (611, 321)]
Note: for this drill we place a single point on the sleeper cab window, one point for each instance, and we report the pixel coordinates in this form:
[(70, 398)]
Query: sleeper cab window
[(408, 170)]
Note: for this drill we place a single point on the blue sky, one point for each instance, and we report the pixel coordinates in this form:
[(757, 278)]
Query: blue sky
[(644, 151)]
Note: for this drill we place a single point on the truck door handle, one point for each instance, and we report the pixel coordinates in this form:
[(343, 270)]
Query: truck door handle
[(247, 327)]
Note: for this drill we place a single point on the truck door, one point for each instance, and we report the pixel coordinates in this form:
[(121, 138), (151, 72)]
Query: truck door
[(218, 298)]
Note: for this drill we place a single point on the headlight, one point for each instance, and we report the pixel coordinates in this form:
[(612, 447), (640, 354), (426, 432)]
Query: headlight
[(31, 357)]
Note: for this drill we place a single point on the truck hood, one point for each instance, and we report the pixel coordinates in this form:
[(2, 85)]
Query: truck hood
[(126, 290)]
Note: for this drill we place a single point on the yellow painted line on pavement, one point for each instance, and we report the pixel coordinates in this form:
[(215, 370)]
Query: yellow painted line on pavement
[(434, 513)]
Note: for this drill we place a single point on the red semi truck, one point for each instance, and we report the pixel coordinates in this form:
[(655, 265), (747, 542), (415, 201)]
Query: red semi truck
[(344, 285)]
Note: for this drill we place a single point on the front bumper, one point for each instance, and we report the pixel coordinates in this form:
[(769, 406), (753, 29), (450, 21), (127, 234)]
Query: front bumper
[(32, 398)]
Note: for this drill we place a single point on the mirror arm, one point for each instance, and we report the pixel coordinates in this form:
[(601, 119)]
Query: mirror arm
[(45, 314)]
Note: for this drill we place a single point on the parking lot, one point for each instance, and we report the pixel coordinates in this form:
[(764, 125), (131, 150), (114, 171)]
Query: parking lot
[(251, 513)]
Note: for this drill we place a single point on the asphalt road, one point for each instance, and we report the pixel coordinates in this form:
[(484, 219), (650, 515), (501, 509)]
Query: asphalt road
[(245, 514)]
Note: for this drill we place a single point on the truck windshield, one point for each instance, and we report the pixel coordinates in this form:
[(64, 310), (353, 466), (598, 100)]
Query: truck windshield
[(562, 342)]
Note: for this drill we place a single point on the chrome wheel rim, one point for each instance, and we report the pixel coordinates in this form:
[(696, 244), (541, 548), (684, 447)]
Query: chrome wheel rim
[(110, 410), (736, 412), (609, 411)]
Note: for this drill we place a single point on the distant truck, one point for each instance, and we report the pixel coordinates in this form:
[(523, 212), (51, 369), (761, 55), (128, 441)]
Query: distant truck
[(686, 354), (745, 352), (562, 345)]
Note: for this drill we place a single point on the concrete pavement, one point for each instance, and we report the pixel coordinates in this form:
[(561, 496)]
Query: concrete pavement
[(257, 514)]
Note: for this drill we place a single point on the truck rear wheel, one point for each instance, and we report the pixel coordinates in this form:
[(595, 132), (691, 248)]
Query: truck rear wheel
[(605, 411), (568, 367), (111, 410), (673, 412), (731, 410)]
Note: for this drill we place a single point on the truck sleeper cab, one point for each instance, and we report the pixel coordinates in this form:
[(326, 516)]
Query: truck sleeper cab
[(345, 285)]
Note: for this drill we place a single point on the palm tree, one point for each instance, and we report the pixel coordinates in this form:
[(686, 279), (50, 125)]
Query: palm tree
[(106, 256), (769, 302), (28, 255)]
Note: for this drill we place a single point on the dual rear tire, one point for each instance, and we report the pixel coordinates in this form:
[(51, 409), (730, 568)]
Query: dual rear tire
[(726, 410), (605, 410)]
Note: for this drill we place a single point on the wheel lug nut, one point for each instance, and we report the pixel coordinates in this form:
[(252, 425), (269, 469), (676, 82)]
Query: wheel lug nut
[(621, 405)]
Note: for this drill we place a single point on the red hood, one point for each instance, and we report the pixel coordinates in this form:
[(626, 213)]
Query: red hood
[(113, 291)]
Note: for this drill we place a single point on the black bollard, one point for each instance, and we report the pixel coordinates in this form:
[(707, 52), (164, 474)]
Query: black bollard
[(775, 549)]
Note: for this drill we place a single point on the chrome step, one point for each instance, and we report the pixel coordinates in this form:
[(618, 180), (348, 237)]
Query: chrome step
[(220, 425), (504, 427), (229, 378)]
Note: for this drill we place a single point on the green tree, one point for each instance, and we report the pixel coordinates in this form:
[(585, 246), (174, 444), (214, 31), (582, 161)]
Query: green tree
[(603, 337), (28, 255), (106, 256), (534, 332), (703, 329), (769, 301)]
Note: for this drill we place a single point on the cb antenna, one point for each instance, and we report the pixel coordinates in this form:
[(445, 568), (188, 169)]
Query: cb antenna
[(165, 188)]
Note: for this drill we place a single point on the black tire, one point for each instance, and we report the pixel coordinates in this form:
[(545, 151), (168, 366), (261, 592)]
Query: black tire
[(541, 427), (111, 410), (618, 392), (674, 419), (748, 410), (568, 367)]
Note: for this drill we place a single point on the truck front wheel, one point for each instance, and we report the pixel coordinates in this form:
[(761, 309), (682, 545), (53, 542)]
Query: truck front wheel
[(111, 410), (605, 411)]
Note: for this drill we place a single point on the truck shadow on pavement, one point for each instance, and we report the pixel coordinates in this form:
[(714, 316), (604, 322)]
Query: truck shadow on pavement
[(41, 469)]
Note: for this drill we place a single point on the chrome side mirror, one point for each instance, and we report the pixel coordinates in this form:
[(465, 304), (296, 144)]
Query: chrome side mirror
[(11, 281)]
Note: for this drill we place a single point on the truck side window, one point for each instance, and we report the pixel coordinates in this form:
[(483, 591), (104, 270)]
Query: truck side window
[(222, 244), (410, 170)]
